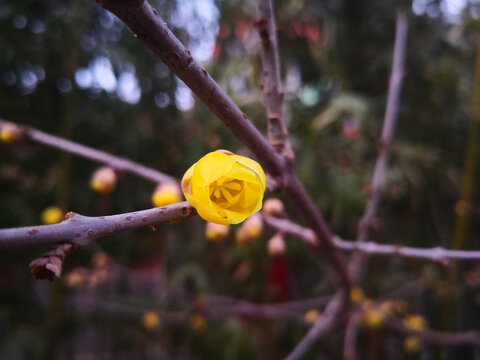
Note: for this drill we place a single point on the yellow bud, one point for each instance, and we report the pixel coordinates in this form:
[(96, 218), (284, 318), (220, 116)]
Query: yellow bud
[(411, 344), (356, 295), (75, 279), (273, 207), (99, 260), (276, 245), (224, 188), (197, 323), (250, 230), (374, 318), (312, 316), (415, 322), (216, 232), (104, 180), (150, 320), (166, 194), (10, 133), (52, 215)]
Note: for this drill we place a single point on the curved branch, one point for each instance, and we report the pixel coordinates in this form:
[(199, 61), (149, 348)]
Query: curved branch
[(80, 230), (117, 163)]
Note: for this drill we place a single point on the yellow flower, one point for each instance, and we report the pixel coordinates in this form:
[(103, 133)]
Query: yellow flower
[(9, 133), (166, 194), (150, 320), (374, 318), (52, 215), (224, 188)]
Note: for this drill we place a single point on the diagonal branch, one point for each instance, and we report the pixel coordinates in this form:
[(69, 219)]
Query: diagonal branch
[(147, 25), (80, 230), (117, 163), (272, 88), (437, 254), (389, 122)]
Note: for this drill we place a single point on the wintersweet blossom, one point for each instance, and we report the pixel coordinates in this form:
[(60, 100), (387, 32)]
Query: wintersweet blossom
[(224, 188)]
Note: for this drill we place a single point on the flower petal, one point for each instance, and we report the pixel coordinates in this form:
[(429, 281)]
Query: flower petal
[(211, 167)]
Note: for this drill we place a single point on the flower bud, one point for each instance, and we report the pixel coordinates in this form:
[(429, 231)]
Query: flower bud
[(273, 207), (166, 194), (99, 260), (150, 321), (356, 295), (415, 322), (75, 279), (312, 316), (276, 245), (374, 318), (197, 323), (224, 188), (216, 232), (250, 230), (10, 133), (51, 215), (412, 344), (104, 180)]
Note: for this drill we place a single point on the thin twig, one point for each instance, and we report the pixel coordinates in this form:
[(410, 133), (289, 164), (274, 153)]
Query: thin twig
[(471, 337), (351, 335), (272, 88), (80, 230), (117, 163), (389, 122), (437, 254), (325, 324)]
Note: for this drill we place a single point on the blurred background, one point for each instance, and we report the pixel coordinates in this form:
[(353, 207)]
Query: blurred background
[(72, 69)]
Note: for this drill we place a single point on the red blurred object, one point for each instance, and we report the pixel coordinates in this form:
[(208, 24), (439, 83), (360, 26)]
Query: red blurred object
[(278, 277)]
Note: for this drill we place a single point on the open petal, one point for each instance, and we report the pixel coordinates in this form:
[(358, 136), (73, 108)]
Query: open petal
[(252, 164), (211, 167)]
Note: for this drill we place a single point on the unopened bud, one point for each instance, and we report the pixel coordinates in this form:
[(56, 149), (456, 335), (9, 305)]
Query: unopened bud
[(250, 230), (99, 260), (216, 232), (374, 318), (197, 323), (75, 279), (150, 321), (166, 194), (412, 344), (273, 207), (312, 316), (415, 322), (356, 295), (276, 245), (51, 215), (10, 133), (104, 180)]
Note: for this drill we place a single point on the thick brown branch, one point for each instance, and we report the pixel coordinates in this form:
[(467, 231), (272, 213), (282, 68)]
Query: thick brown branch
[(389, 122), (144, 21), (272, 88), (437, 254), (147, 25), (80, 230), (117, 163)]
